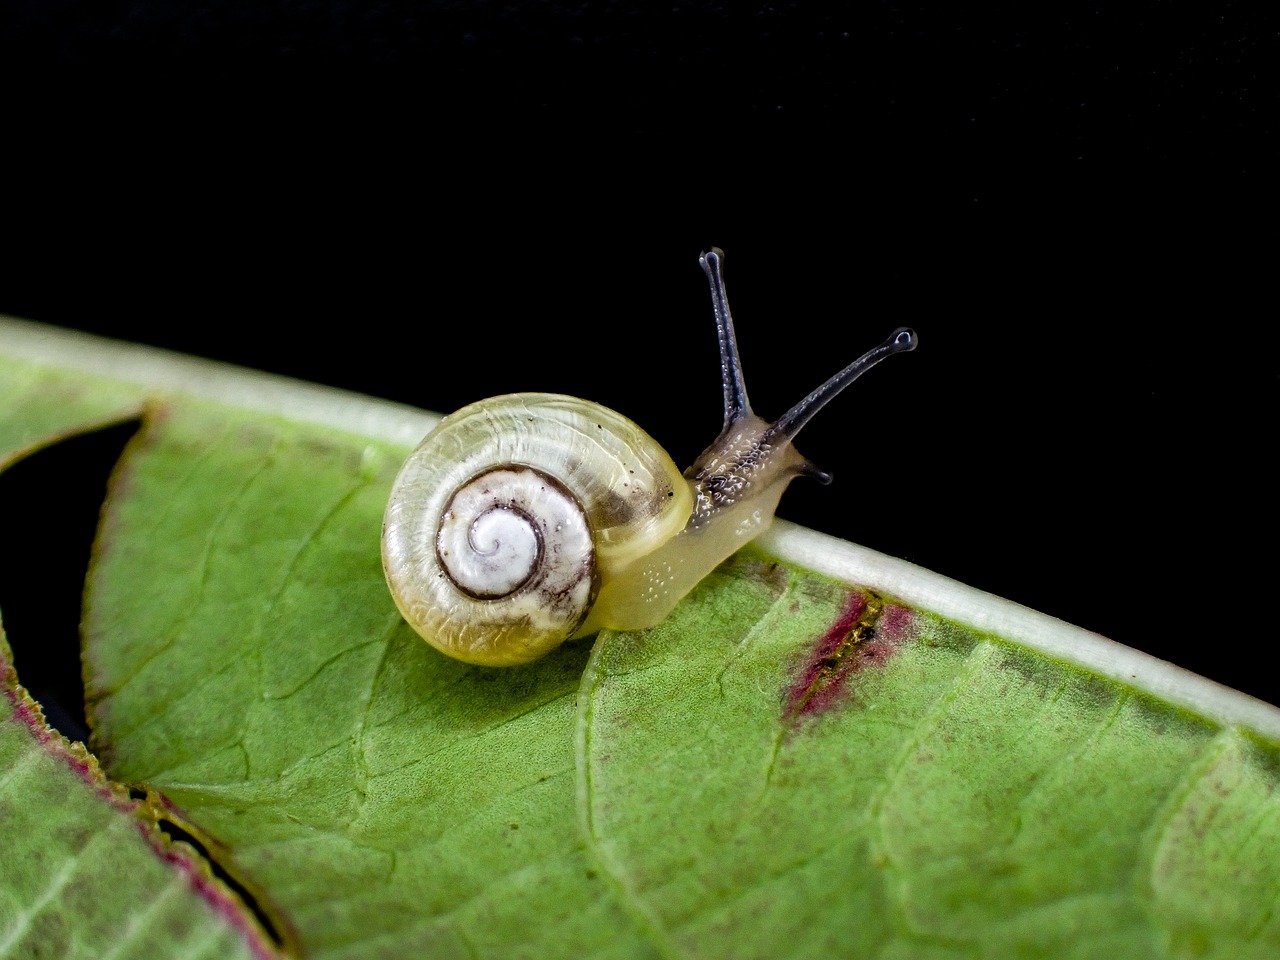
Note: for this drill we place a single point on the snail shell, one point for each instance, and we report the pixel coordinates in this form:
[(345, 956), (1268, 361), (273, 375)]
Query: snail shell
[(505, 521), (526, 520)]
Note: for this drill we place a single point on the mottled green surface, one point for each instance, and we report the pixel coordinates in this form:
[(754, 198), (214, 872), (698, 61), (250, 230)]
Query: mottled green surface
[(79, 877), (674, 795)]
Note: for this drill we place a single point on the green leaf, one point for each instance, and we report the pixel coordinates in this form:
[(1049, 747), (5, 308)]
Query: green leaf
[(85, 873), (791, 765), (954, 795), (246, 660), (39, 406)]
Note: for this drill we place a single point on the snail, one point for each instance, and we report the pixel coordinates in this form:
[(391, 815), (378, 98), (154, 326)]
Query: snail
[(526, 520)]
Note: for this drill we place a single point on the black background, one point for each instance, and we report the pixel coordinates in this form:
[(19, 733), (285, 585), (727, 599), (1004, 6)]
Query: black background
[(437, 202)]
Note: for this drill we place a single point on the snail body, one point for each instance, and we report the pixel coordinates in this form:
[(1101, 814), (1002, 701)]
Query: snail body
[(526, 520)]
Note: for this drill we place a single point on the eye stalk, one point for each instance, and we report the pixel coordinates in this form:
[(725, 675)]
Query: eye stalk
[(737, 409), (902, 340), (736, 404)]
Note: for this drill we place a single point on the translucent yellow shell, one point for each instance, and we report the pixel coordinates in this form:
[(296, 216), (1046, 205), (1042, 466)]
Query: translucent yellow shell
[(501, 480)]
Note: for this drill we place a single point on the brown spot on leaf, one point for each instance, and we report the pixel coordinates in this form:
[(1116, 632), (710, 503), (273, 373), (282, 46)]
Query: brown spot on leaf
[(768, 573)]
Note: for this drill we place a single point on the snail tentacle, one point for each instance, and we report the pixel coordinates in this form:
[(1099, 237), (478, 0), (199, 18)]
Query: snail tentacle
[(902, 340), (736, 404)]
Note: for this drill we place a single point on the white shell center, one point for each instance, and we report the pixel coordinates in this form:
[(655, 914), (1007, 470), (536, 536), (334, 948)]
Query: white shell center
[(503, 551), (509, 528)]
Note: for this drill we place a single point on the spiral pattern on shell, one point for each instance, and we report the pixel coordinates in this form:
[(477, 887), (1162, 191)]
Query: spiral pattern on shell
[(506, 520)]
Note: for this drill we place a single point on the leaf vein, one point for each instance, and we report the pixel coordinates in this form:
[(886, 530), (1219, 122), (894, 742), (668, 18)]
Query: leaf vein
[(765, 619), (22, 922), (645, 918)]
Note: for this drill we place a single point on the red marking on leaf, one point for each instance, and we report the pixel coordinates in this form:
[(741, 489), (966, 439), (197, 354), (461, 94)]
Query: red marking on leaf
[(799, 700), (838, 654), (894, 622), (891, 631)]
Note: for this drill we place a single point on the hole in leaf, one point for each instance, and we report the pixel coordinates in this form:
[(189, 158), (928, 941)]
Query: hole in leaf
[(49, 507), (175, 832)]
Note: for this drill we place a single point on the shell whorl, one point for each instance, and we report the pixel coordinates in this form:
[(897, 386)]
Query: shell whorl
[(505, 521)]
